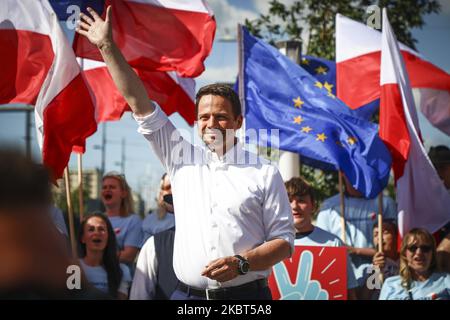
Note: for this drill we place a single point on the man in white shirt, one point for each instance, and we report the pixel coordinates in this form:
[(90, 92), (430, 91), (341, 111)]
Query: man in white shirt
[(303, 206), (233, 220)]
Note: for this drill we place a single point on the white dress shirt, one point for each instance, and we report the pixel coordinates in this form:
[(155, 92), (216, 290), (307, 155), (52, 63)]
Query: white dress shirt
[(224, 206)]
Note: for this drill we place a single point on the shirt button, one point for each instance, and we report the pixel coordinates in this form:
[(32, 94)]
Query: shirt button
[(214, 225), (213, 248)]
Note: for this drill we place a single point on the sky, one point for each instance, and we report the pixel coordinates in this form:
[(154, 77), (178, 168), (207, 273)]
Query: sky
[(142, 169)]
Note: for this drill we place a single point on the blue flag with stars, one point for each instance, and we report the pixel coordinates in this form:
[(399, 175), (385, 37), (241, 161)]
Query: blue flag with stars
[(325, 72), (311, 121)]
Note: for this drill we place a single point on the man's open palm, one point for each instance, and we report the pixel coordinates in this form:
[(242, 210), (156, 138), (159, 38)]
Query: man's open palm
[(93, 27)]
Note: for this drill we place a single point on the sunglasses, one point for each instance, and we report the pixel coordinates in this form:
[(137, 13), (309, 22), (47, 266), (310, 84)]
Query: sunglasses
[(423, 248)]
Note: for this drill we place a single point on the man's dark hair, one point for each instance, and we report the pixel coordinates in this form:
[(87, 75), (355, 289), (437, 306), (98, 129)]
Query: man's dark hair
[(23, 183), (299, 187), (223, 90)]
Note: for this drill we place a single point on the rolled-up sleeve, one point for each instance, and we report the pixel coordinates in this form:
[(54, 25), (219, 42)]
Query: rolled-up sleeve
[(278, 220)]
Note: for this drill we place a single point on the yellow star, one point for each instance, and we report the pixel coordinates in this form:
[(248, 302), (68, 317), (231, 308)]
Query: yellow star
[(321, 70), (321, 137), (318, 84), (305, 61), (328, 86), (306, 129), (351, 140), (298, 119), (298, 102), (331, 95)]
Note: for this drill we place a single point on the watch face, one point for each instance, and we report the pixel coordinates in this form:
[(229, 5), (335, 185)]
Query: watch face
[(244, 266)]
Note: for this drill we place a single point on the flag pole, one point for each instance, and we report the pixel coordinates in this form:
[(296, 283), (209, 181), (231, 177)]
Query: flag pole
[(70, 212), (342, 198), (241, 80), (80, 185), (380, 227)]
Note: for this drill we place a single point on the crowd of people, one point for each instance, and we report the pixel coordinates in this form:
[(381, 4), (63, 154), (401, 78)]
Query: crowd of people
[(224, 217)]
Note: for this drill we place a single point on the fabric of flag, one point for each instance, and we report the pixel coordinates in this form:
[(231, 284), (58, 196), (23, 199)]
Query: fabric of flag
[(172, 92), (358, 50), (279, 94), (422, 199), (177, 38), (61, 7), (325, 71), (159, 35), (39, 68)]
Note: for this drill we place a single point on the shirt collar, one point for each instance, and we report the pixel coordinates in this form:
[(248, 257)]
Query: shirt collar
[(235, 155)]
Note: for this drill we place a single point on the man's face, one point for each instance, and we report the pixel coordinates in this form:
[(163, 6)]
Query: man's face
[(216, 121), (166, 189), (302, 209)]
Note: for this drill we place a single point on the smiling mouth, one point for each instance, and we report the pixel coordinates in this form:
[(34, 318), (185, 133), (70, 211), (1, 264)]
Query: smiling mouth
[(107, 197), (97, 241)]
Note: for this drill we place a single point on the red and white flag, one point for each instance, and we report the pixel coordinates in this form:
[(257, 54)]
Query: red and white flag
[(159, 35), (422, 198), (39, 67), (172, 92), (358, 69)]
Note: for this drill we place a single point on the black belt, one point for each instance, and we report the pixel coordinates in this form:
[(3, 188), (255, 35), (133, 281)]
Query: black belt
[(224, 293)]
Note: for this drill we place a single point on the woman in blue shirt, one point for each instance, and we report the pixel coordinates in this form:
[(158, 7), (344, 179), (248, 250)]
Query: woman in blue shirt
[(98, 257), (118, 202), (418, 279)]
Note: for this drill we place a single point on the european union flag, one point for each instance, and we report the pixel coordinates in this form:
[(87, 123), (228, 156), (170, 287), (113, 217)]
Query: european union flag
[(325, 71), (279, 94)]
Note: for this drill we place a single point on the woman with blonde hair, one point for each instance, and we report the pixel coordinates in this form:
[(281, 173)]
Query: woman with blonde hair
[(163, 219), (418, 279), (118, 202)]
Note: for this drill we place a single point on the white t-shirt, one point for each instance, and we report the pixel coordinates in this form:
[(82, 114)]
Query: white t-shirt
[(98, 277), (320, 237)]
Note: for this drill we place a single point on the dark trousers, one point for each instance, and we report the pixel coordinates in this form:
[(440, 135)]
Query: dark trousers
[(262, 294)]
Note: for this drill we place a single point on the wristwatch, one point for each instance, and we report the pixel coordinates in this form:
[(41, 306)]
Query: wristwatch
[(243, 265)]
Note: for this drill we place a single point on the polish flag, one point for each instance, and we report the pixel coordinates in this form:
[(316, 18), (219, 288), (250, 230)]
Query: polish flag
[(172, 92), (422, 198), (358, 69), (39, 67), (159, 35)]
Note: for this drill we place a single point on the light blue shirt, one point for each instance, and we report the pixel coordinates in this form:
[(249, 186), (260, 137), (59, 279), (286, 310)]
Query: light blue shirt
[(128, 231), (436, 287), (98, 277), (153, 225), (360, 216), (320, 237)]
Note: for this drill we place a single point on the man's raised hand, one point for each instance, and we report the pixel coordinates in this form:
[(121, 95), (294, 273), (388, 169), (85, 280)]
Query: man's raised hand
[(93, 27)]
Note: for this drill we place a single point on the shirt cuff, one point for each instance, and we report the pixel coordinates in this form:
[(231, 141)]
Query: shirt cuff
[(151, 122)]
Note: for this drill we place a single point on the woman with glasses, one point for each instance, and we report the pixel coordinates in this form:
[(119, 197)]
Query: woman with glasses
[(118, 202), (418, 279), (98, 257)]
